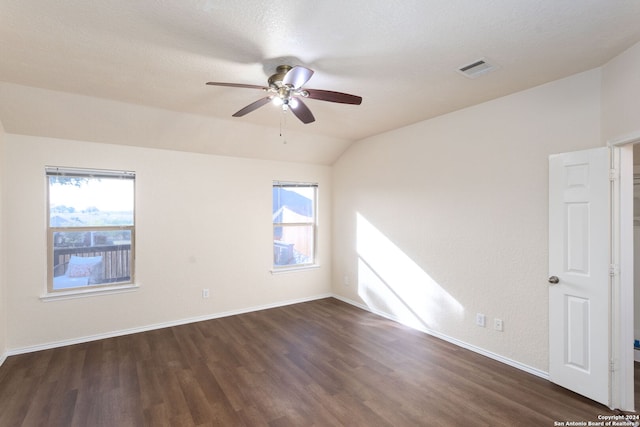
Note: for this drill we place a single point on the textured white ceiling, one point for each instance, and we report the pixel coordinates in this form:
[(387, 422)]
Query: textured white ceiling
[(401, 56)]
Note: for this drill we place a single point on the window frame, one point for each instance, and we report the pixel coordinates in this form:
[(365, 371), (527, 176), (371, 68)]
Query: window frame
[(106, 287), (313, 224)]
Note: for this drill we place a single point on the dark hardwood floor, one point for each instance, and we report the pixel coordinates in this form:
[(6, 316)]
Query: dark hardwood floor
[(321, 363)]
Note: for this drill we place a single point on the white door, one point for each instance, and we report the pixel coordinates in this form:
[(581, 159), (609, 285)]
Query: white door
[(579, 256)]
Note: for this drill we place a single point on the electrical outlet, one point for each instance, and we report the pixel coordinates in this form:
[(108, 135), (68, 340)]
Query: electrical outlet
[(498, 325), (205, 293), (481, 320), (346, 280)]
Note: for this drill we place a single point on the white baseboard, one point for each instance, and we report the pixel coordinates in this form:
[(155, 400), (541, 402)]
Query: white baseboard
[(96, 337), (475, 349), (62, 343)]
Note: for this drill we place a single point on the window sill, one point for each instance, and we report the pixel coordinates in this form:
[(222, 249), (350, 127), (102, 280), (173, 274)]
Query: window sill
[(294, 269), (84, 293)]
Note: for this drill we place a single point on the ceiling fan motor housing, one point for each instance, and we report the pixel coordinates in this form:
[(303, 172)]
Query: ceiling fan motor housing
[(281, 70)]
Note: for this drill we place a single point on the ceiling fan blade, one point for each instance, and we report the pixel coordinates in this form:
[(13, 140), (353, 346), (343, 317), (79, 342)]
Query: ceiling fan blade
[(253, 106), (303, 112), (331, 96), (237, 85), (297, 76)]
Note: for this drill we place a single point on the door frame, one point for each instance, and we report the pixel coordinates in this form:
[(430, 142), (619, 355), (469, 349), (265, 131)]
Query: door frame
[(622, 310)]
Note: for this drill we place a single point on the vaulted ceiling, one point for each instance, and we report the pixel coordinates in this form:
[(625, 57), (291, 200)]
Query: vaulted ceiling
[(401, 56)]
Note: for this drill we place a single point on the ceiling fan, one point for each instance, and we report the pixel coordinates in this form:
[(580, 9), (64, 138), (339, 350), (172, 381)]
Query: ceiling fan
[(285, 89)]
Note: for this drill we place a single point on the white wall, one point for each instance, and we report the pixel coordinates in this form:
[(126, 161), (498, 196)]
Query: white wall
[(3, 299), (447, 218), (202, 221), (620, 120), (621, 95)]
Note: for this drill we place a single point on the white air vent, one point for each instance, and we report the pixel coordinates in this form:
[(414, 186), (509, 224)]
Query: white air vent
[(477, 68)]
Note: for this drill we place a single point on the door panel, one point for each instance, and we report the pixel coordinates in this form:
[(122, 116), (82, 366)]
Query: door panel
[(578, 332), (579, 256), (577, 244)]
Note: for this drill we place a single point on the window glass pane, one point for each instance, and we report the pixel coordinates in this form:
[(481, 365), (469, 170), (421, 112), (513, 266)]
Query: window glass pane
[(87, 201), (293, 204), (82, 258), (293, 244)]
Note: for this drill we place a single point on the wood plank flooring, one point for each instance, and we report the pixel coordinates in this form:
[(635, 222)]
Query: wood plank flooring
[(321, 363)]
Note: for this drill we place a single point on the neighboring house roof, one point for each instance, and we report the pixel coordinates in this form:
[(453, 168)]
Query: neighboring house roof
[(284, 214), (294, 202)]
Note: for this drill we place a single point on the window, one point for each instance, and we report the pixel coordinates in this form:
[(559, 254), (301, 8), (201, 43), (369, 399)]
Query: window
[(90, 228), (294, 224)]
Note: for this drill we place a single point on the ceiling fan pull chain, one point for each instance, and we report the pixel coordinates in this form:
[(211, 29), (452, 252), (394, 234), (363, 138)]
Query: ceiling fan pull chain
[(283, 117)]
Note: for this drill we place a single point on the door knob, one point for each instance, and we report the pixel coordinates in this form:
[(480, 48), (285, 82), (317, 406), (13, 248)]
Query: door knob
[(553, 280)]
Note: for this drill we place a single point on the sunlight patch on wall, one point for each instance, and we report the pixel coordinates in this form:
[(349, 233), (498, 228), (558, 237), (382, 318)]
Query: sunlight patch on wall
[(390, 281)]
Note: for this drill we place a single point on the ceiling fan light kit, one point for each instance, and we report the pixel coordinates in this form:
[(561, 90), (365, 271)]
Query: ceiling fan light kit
[(285, 90)]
